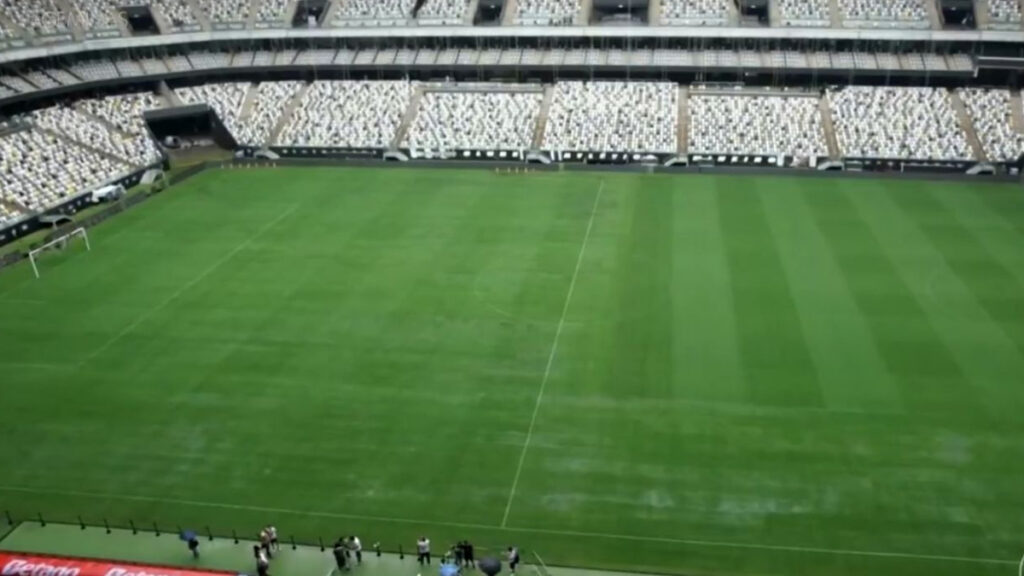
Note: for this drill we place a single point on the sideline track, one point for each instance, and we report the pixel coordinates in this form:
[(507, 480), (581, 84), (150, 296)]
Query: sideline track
[(515, 529)]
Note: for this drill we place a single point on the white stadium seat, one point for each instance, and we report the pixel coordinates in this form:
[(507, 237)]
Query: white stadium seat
[(897, 122), (475, 121)]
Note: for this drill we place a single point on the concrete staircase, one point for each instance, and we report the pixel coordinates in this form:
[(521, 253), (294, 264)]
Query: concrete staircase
[(683, 121), (82, 145), (733, 17), (934, 16), (408, 116), (508, 14), (163, 24), (250, 22), (202, 17), (101, 121), (583, 16), (542, 117), (170, 96), (967, 126), (77, 32), (15, 206), (1016, 111), (328, 15), (654, 13), (830, 129), (290, 10), (247, 103), (470, 14), (9, 24), (834, 14), (981, 14), (774, 13), (287, 114)]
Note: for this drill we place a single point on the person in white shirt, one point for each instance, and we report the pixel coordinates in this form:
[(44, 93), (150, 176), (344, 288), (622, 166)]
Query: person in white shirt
[(272, 533), (423, 550), (513, 559), (357, 548)]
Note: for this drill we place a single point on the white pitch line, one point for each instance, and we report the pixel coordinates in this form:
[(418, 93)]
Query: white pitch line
[(213, 267), (518, 530), (551, 356)]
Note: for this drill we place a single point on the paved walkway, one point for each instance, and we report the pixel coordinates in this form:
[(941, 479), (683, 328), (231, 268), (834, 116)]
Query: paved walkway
[(219, 553)]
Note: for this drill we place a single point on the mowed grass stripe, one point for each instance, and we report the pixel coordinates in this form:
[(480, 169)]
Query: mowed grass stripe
[(777, 364), (916, 356), (991, 283), (343, 375), (963, 327), (705, 346), (851, 371), (1000, 239)]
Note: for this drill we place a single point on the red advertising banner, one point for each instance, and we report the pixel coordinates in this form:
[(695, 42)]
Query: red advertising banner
[(37, 565)]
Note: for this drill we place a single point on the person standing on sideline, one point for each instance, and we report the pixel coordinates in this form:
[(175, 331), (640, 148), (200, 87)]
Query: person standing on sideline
[(272, 533), (262, 562), (357, 548), (467, 554), (341, 555), (192, 540), (513, 559), (265, 543), (423, 550)]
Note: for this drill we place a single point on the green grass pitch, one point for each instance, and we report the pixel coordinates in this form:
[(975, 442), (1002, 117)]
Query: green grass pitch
[(699, 375)]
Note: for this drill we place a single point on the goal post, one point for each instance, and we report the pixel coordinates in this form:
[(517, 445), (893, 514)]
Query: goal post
[(59, 243)]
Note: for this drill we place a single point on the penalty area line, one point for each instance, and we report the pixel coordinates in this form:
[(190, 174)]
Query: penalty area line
[(511, 529), (551, 355)]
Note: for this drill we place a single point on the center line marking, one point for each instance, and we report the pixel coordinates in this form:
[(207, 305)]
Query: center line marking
[(551, 356)]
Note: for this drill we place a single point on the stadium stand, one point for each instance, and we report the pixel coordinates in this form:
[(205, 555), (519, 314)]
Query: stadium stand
[(747, 124), (695, 12), (805, 13), (272, 12), (17, 83), (897, 122), (70, 123), (1005, 12), (268, 105), (475, 121), (223, 11), (613, 116), (992, 116), (372, 12), (443, 12), (96, 15), (94, 70), (123, 111), (884, 13), (225, 99), (38, 17), (39, 170), (354, 114), (547, 12), (178, 13)]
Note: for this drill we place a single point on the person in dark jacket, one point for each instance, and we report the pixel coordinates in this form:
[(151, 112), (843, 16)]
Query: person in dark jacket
[(341, 555)]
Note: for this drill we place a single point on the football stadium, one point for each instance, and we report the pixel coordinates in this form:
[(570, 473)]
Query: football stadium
[(547, 287)]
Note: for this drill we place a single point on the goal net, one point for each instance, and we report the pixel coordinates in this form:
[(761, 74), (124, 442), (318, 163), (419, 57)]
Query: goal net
[(74, 240)]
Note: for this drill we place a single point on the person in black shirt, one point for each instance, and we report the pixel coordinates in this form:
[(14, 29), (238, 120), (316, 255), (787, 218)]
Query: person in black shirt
[(467, 554), (341, 555), (193, 545)]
